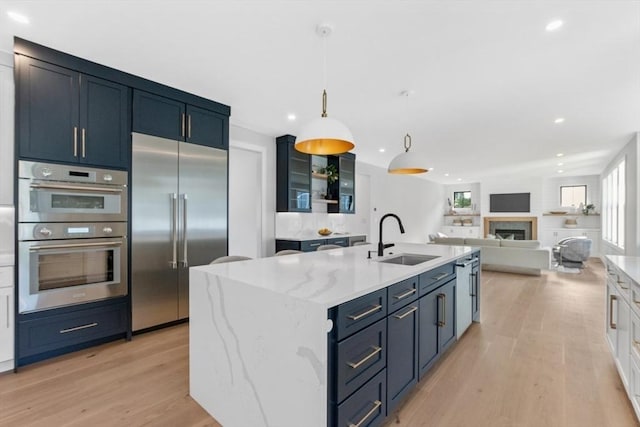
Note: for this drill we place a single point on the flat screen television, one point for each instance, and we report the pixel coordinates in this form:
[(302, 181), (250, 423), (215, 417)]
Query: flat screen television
[(510, 202)]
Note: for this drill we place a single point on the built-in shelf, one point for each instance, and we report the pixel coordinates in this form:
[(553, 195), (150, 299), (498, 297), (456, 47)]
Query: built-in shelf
[(461, 214), (319, 175), (570, 214), (329, 202)]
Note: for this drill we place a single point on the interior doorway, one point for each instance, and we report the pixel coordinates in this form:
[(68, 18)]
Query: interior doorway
[(245, 200)]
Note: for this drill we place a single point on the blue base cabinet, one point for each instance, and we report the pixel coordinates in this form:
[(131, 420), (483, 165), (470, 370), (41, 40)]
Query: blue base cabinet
[(383, 343), (58, 331)]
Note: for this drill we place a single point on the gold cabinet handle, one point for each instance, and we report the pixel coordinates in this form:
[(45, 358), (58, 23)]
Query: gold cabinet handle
[(376, 405), (183, 119), (612, 325), (372, 310), (443, 298), (405, 294), (189, 126), (356, 365), (440, 276), (75, 141), (403, 315)]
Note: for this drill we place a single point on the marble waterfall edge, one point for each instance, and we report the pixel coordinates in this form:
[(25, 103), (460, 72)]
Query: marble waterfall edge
[(255, 356)]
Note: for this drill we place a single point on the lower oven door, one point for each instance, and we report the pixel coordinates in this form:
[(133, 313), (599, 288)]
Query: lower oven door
[(56, 273)]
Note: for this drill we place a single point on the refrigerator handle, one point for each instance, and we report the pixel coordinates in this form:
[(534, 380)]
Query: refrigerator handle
[(185, 240), (174, 229)]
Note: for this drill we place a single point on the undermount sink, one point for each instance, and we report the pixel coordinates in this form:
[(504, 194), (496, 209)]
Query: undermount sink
[(409, 259)]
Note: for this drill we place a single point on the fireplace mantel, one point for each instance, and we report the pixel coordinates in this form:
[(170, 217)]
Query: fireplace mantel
[(531, 219)]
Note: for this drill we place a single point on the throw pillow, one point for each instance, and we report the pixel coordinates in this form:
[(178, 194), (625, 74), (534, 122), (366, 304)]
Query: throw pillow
[(509, 237), (491, 236), (441, 234)]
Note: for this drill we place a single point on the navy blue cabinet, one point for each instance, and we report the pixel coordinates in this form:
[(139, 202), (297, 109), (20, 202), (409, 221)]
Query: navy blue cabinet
[(402, 353), (168, 118), (437, 324), (310, 245), (58, 331), (344, 189), (293, 177), (70, 117)]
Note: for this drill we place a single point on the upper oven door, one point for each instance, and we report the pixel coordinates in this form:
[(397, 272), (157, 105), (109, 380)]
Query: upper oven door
[(52, 201)]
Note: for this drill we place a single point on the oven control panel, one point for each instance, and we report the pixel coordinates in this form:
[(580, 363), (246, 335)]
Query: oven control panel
[(74, 230)]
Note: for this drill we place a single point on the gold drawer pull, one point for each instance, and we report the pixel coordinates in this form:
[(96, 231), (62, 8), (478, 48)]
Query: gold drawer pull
[(375, 351), (372, 310), (77, 328), (376, 405), (403, 315), (406, 294), (440, 276), (612, 325)]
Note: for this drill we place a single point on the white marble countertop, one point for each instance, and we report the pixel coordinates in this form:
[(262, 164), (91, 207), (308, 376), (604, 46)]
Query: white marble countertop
[(329, 278), (315, 236), (6, 259), (629, 264)]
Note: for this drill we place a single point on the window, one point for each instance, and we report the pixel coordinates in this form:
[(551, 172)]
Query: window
[(573, 195), (462, 199), (613, 206)]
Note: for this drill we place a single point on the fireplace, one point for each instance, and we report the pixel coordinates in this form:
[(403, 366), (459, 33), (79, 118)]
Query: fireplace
[(521, 227), (505, 234)]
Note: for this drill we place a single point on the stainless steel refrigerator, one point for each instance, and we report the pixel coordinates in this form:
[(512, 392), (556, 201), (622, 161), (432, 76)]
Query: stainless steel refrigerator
[(179, 220)]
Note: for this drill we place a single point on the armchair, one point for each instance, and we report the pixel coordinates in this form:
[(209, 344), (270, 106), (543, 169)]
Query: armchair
[(572, 251)]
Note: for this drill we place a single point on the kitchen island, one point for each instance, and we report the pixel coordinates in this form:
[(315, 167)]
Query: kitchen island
[(261, 351)]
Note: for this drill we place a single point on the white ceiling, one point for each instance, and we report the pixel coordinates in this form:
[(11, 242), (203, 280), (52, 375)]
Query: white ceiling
[(488, 79)]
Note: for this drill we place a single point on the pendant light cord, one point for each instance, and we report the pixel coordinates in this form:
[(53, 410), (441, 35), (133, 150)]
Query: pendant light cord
[(407, 137)]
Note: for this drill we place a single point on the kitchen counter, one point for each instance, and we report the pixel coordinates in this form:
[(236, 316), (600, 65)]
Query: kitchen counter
[(258, 329), (305, 237), (629, 264)]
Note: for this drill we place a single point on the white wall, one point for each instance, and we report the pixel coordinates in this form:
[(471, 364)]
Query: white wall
[(513, 184), (418, 202), (630, 153)]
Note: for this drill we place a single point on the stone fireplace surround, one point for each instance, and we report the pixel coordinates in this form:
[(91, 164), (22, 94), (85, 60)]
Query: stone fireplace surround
[(527, 223)]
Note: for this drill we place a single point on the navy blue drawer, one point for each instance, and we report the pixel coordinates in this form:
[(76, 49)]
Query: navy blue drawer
[(360, 357), (367, 406), (355, 315), (311, 245), (402, 293), (436, 277), (341, 241), (63, 330)]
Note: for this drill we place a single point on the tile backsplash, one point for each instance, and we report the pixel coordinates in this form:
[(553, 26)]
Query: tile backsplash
[(290, 224)]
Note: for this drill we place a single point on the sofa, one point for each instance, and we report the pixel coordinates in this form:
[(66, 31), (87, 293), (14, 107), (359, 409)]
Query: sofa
[(511, 256)]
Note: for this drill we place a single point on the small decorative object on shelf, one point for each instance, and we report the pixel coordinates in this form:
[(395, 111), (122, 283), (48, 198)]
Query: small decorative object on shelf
[(332, 174), (324, 232), (588, 209), (570, 223)]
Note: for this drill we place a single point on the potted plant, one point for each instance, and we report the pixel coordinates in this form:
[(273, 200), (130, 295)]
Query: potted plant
[(332, 173), (588, 208)]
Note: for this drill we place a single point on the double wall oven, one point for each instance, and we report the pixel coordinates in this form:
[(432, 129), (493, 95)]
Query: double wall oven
[(72, 235)]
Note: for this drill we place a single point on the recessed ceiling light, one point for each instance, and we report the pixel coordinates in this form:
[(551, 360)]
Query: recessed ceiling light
[(554, 25), (18, 17), (559, 120), (560, 171), (446, 174), (382, 150), (291, 117), (459, 179), (559, 154), (560, 164)]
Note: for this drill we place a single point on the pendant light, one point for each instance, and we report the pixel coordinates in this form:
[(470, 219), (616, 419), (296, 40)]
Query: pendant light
[(324, 135), (408, 162)]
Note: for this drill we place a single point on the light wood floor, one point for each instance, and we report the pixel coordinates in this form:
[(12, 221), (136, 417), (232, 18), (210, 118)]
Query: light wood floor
[(539, 358)]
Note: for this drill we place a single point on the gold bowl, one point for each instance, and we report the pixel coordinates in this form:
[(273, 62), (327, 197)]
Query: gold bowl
[(324, 232)]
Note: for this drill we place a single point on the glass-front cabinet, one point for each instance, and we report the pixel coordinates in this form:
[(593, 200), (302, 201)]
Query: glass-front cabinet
[(344, 189), (293, 192)]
